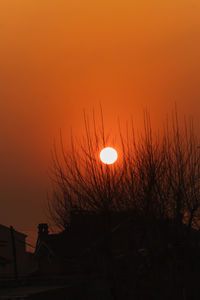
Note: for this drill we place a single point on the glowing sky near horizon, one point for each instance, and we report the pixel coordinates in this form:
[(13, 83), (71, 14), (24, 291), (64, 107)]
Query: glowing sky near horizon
[(60, 57)]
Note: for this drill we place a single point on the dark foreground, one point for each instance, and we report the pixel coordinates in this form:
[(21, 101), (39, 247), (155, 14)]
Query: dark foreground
[(96, 288)]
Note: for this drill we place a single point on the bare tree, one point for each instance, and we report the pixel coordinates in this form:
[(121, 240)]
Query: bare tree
[(145, 163), (157, 180), (157, 177), (81, 180), (182, 172)]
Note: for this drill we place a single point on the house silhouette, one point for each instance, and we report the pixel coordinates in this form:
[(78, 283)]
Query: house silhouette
[(10, 263), (130, 241)]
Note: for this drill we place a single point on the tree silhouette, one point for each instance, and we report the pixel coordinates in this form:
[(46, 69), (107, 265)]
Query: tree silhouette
[(82, 181), (158, 175), (156, 183)]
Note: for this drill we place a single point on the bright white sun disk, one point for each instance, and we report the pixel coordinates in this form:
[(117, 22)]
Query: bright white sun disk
[(108, 155)]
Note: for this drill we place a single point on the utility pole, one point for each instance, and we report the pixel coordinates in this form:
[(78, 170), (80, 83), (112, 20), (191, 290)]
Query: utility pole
[(12, 231)]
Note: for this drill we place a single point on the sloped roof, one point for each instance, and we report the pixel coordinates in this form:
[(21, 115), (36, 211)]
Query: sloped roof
[(5, 228)]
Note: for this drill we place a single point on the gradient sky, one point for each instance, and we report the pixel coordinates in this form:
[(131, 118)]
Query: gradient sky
[(58, 57)]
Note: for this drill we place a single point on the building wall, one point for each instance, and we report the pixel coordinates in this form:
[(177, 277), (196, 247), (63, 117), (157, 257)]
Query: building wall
[(6, 251)]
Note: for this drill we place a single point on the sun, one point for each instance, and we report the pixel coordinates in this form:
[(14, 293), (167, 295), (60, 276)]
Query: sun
[(108, 155)]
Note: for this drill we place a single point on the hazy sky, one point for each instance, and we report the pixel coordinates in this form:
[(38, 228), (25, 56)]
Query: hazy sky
[(58, 57)]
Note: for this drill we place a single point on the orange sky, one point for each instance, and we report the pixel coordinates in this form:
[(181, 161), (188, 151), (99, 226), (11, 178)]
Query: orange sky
[(58, 57)]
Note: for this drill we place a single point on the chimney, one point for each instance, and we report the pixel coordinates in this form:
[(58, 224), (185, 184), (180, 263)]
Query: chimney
[(43, 231)]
